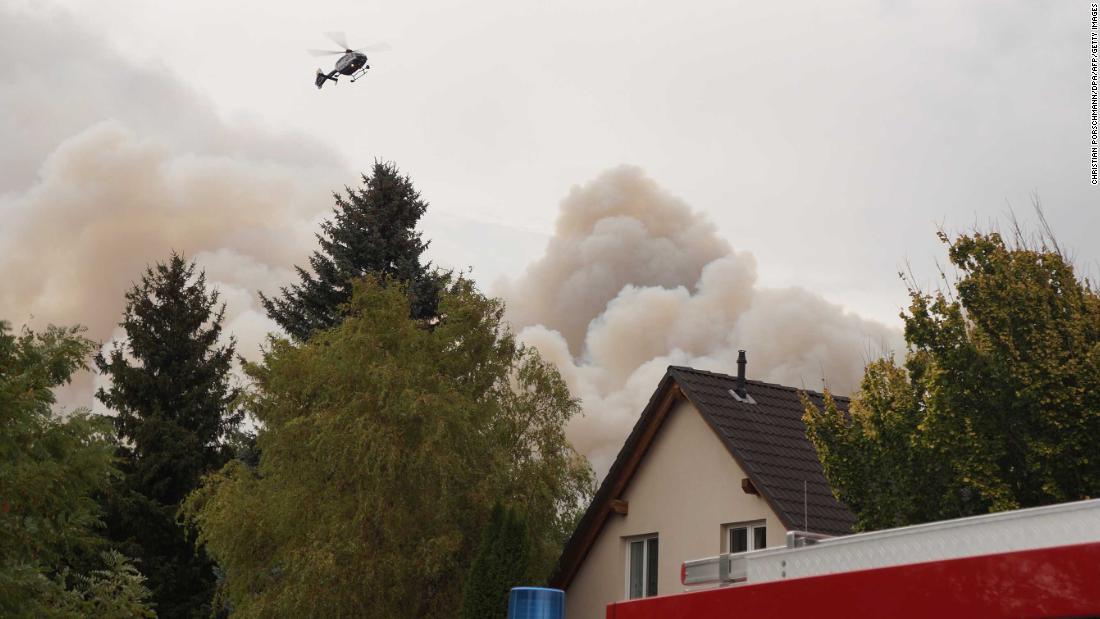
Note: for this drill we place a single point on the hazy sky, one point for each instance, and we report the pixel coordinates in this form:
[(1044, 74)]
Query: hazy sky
[(828, 139), (646, 183)]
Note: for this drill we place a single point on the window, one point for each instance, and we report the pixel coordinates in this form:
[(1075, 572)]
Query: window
[(641, 569), (745, 537)]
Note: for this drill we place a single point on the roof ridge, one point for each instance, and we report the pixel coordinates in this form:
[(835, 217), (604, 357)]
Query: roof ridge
[(760, 383)]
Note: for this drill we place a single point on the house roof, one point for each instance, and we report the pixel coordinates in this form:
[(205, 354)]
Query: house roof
[(766, 438)]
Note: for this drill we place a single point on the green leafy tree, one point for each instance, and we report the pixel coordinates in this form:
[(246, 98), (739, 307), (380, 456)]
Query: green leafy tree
[(383, 447), (116, 591), (173, 398), (502, 562), (373, 231), (51, 469), (997, 405)]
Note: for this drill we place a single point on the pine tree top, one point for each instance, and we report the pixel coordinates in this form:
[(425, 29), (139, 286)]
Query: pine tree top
[(372, 231), (170, 376)]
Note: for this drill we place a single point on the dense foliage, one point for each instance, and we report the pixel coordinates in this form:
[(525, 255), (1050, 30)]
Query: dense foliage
[(997, 405), (51, 469), (383, 448), (172, 396), (373, 231), (501, 562)]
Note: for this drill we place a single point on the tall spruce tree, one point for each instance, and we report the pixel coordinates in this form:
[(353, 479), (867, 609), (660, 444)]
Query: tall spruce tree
[(501, 563), (373, 231), (173, 398)]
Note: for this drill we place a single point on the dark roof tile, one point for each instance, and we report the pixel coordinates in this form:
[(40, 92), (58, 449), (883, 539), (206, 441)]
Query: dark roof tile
[(769, 439)]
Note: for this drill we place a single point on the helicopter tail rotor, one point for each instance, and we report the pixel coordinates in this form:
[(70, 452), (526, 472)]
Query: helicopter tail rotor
[(323, 77)]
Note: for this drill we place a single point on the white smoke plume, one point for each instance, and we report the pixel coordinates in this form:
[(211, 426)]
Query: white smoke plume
[(634, 280), (108, 166)]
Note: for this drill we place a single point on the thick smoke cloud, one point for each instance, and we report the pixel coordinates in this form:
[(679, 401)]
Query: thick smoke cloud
[(633, 281), (107, 166)]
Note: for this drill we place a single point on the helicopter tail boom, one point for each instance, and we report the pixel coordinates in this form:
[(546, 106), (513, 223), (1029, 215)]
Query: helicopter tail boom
[(322, 77)]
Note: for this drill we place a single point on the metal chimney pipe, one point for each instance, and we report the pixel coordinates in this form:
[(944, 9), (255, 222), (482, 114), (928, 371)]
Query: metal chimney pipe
[(741, 363)]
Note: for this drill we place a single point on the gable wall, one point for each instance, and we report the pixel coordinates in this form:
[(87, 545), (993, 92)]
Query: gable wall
[(685, 488)]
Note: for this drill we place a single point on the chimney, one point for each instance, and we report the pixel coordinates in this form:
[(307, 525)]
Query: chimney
[(741, 363)]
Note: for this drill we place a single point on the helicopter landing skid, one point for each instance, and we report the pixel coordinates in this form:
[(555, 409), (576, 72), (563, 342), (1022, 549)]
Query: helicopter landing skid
[(359, 74)]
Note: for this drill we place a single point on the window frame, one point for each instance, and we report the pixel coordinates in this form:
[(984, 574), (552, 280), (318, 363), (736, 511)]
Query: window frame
[(645, 561), (750, 526)]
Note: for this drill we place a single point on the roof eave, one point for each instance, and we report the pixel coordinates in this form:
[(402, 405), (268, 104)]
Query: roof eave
[(576, 549)]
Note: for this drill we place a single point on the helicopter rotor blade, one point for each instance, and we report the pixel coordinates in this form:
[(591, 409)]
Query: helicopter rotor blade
[(338, 38), (377, 47), (324, 52)]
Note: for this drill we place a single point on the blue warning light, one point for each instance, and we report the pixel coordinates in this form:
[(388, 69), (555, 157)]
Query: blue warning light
[(536, 603)]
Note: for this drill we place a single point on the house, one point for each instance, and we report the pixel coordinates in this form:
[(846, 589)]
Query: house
[(715, 464)]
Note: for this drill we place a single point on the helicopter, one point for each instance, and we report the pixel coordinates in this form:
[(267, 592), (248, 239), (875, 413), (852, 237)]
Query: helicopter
[(351, 62)]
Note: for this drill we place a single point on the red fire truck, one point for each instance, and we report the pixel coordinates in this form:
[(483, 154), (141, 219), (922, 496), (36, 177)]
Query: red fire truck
[(1038, 562)]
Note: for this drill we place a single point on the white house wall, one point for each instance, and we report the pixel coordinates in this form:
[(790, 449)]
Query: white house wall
[(685, 488)]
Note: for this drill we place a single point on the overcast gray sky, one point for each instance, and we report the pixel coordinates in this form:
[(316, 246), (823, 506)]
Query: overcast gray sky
[(785, 161), (829, 139)]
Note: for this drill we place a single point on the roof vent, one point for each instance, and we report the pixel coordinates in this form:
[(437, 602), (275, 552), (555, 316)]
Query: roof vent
[(739, 393), (741, 363)]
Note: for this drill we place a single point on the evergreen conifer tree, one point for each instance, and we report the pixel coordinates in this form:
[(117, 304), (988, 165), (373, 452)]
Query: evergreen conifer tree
[(173, 399), (373, 231), (500, 564)]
